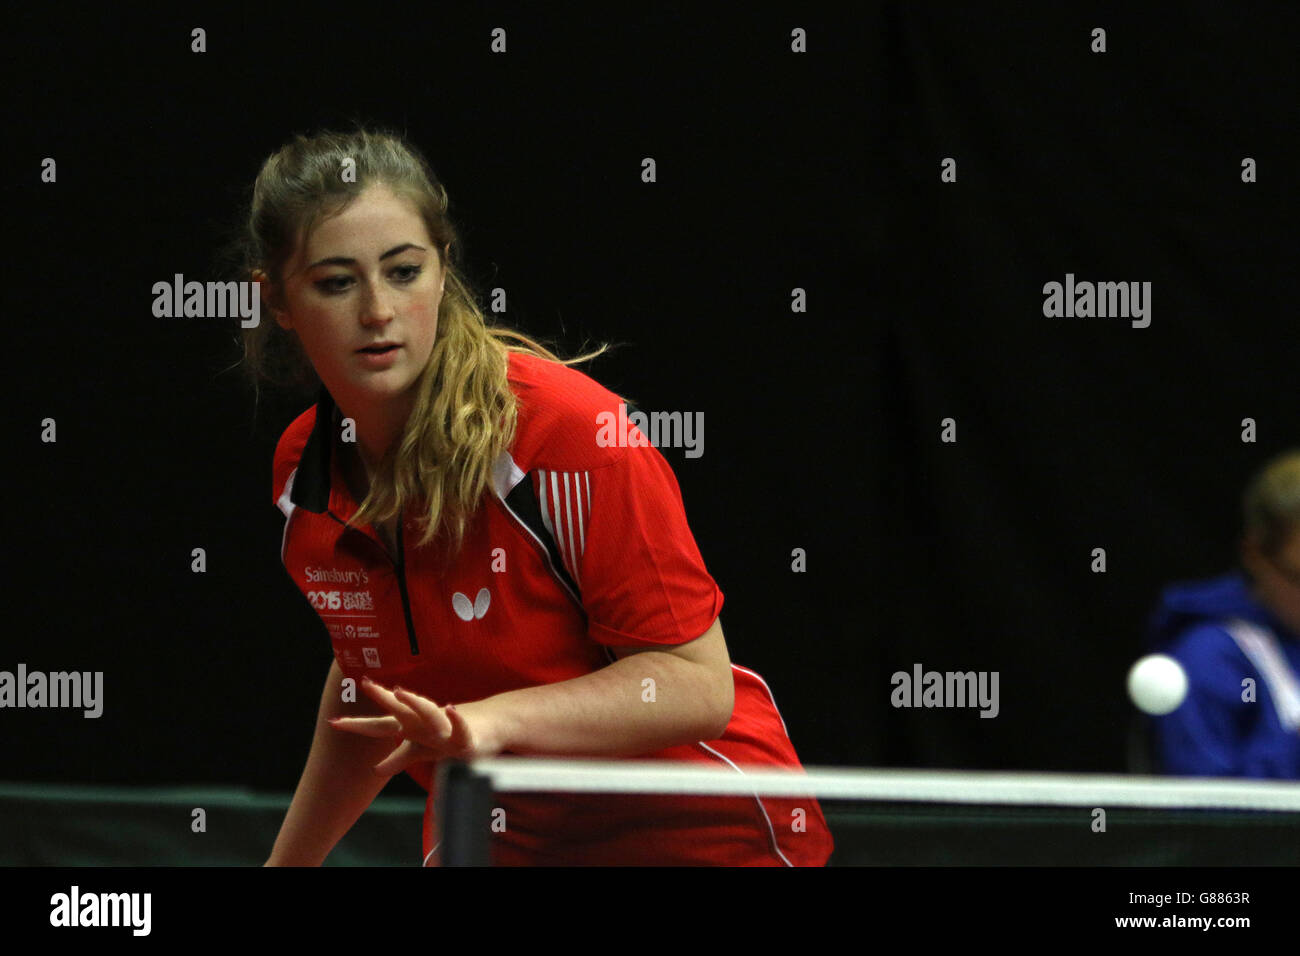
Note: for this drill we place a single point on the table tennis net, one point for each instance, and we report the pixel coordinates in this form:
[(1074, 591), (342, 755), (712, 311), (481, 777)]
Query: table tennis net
[(882, 817)]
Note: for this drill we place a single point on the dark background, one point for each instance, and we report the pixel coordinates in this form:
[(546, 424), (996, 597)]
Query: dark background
[(776, 171)]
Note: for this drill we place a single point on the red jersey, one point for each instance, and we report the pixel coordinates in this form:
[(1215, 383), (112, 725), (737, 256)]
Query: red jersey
[(578, 547)]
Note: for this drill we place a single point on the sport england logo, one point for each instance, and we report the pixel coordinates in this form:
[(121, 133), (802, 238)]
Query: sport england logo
[(469, 612)]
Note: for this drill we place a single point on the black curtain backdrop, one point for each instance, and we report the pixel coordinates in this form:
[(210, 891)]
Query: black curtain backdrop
[(1073, 433), (776, 170)]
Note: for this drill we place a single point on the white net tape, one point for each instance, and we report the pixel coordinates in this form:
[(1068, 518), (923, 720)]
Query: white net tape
[(534, 774)]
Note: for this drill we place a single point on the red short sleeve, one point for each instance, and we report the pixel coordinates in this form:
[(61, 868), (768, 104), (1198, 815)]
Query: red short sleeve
[(641, 576)]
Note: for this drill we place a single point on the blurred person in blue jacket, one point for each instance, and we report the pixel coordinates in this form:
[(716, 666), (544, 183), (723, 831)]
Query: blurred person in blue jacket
[(1238, 638)]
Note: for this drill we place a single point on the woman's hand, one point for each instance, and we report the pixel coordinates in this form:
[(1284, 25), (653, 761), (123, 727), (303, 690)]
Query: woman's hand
[(424, 730)]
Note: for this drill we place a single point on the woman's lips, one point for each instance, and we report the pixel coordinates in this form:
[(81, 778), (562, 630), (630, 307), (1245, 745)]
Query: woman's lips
[(378, 357)]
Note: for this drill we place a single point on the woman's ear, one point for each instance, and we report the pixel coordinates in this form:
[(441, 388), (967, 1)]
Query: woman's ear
[(269, 298)]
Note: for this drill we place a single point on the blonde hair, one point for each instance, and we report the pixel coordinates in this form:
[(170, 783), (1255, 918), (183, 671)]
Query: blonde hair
[(465, 412), (1271, 503)]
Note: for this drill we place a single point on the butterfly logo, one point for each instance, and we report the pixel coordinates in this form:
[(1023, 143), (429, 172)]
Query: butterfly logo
[(469, 612)]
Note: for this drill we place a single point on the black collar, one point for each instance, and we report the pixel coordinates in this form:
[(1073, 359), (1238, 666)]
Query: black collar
[(311, 486)]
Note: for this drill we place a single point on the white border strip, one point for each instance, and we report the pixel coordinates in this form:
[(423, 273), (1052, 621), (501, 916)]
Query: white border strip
[(532, 774)]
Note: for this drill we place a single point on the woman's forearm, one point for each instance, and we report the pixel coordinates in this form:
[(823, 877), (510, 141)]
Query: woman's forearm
[(638, 704), (337, 784)]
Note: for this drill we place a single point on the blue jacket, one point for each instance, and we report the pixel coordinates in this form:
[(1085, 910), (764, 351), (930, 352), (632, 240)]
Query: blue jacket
[(1222, 635)]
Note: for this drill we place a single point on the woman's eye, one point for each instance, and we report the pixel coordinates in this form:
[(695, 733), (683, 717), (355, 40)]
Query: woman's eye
[(332, 284)]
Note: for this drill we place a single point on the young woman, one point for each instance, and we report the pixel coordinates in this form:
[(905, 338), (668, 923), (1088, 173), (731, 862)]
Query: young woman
[(495, 576)]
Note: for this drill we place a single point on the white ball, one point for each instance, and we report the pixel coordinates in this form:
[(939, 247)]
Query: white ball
[(1157, 684)]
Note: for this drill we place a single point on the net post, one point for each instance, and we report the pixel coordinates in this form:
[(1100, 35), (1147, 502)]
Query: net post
[(463, 805)]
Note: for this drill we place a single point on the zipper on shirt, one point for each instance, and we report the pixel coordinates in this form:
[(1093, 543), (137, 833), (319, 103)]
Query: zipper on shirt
[(401, 585), (400, 566)]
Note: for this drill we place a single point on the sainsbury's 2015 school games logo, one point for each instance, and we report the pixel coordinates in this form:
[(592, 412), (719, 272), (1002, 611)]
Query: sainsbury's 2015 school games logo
[(334, 575)]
